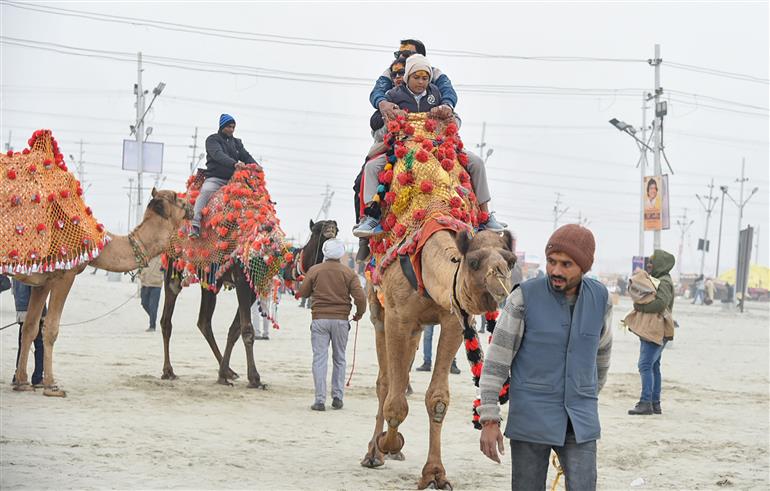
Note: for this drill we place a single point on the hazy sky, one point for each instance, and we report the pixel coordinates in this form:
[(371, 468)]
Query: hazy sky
[(302, 104)]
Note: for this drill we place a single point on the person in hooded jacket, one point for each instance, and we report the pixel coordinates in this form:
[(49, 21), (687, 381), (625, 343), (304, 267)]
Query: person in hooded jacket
[(659, 266)]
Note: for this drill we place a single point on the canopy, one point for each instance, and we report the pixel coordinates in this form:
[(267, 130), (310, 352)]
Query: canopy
[(759, 276)]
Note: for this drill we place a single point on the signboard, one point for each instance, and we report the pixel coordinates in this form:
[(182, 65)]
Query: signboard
[(744, 260), (638, 262), (152, 156), (656, 205)]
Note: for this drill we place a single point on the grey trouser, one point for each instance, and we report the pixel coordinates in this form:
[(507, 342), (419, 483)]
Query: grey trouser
[(323, 331), (210, 186), (475, 168), (265, 304), (530, 464)]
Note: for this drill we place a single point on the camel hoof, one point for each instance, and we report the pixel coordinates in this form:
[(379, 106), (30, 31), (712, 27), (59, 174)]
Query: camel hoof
[(168, 376), (23, 387), (54, 391), (396, 456), (434, 485), (232, 375), (390, 451), (372, 461), (257, 385), (224, 381)]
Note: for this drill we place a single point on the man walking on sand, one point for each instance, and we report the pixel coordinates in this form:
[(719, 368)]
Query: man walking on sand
[(331, 284), (554, 340)]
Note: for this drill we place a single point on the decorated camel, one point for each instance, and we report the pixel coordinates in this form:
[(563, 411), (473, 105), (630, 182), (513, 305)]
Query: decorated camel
[(428, 268), (242, 245), (48, 236)]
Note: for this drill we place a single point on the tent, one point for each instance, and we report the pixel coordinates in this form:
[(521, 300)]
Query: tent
[(759, 276)]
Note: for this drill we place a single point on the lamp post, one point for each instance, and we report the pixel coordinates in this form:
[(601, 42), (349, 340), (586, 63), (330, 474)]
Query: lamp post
[(721, 216)]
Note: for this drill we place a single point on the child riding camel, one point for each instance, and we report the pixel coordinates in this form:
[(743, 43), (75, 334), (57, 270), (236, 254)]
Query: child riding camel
[(418, 95)]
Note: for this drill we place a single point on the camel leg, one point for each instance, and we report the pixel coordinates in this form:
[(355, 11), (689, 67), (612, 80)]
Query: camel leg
[(29, 333), (374, 456), (205, 314), (59, 291), (232, 336), (399, 338), (437, 401), (246, 298), (171, 292)]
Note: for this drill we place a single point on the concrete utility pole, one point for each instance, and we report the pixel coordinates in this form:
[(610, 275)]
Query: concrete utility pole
[(657, 125), (139, 135), (194, 146), (81, 170), (740, 204), (684, 225), (721, 217), (558, 212), (327, 203), (708, 206), (481, 146), (130, 200), (643, 172)]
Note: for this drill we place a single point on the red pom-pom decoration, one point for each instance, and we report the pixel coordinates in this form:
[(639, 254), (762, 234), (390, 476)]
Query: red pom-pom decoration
[(427, 145), (408, 129), (422, 156), (426, 186), (419, 214), (40, 227), (447, 165), (390, 221), (405, 178), (386, 177), (455, 202), (451, 129), (483, 217), (64, 193), (399, 229), (11, 173), (463, 158), (36, 198), (51, 197), (393, 126), (390, 197), (401, 151), (430, 124)]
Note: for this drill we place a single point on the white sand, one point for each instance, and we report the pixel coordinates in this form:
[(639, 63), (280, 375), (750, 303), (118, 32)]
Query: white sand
[(122, 427)]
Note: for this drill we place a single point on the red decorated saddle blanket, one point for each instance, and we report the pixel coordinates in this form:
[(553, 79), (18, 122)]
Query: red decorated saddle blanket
[(239, 224), (44, 223), (423, 188)]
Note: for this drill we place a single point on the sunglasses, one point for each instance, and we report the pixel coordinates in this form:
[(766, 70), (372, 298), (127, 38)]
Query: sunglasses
[(405, 53), (399, 73)]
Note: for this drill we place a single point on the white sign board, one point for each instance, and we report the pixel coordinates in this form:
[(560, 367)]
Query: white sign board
[(152, 156)]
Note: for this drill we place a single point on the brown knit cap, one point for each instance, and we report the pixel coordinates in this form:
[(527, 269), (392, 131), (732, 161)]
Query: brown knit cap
[(575, 241)]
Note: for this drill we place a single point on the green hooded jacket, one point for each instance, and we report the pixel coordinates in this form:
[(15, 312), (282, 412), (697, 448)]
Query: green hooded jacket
[(662, 263)]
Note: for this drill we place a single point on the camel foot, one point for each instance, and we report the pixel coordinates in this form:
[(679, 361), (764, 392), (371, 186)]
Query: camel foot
[(388, 450), (23, 387), (232, 375), (396, 456), (434, 485), (257, 385), (54, 391), (224, 381), (374, 456), (434, 477), (168, 375)]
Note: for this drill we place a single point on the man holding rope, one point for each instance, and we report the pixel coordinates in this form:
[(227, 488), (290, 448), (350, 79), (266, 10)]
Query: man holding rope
[(331, 284)]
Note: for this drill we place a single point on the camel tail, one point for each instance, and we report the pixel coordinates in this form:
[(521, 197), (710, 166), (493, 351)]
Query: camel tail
[(475, 357)]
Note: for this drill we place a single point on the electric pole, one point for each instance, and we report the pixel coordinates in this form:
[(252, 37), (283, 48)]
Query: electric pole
[(139, 135), (719, 240), (130, 200), (740, 204), (684, 225), (81, 171), (327, 203), (558, 212), (657, 125), (194, 146), (708, 206), (481, 146), (643, 171)]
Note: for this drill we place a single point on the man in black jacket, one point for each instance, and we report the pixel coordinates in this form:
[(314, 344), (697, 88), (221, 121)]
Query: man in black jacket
[(223, 154)]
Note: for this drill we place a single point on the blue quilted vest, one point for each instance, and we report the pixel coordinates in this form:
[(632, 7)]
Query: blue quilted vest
[(553, 375)]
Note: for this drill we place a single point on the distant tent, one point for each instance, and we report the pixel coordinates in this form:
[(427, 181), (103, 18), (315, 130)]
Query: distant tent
[(759, 276)]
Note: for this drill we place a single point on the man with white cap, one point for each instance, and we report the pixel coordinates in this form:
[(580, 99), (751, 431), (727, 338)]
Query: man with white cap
[(331, 284)]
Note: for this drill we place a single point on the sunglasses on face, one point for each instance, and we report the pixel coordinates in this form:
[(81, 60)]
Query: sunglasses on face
[(405, 53), (398, 73)]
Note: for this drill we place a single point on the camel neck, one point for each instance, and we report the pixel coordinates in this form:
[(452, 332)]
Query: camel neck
[(152, 237), (439, 264)]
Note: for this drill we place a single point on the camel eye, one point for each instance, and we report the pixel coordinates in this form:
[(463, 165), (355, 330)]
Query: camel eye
[(474, 264)]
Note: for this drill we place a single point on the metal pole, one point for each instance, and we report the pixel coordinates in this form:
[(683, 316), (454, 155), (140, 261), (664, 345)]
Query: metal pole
[(658, 121), (642, 170), (193, 162), (709, 206), (721, 217), (81, 172), (740, 213), (684, 225), (139, 137), (130, 201), (483, 143)]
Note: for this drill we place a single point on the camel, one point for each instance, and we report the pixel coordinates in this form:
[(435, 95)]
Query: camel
[(241, 324), (122, 253), (463, 276)]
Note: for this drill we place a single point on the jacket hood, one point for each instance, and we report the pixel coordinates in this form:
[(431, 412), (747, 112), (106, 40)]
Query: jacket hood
[(662, 263)]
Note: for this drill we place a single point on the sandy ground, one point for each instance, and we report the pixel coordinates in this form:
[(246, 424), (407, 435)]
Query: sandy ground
[(122, 427)]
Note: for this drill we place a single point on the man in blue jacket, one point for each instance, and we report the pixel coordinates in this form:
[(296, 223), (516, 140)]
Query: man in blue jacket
[(553, 339), (21, 293), (223, 153)]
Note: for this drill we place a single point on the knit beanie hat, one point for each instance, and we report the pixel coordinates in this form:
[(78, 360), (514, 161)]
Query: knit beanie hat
[(224, 120), (333, 249), (415, 63), (575, 241)]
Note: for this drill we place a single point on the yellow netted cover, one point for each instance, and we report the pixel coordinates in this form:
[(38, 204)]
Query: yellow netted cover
[(44, 223), (424, 182), (239, 225)]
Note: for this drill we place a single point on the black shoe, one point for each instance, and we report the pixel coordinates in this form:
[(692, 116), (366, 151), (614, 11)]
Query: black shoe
[(454, 369), (318, 406), (656, 407), (337, 403), (643, 408), (195, 232), (150, 329), (425, 367)]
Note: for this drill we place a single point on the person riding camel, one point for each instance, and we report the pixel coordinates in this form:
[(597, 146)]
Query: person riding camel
[(224, 153), (418, 95)]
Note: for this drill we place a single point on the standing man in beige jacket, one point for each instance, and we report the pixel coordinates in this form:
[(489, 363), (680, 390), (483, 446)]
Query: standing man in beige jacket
[(331, 284), (151, 279)]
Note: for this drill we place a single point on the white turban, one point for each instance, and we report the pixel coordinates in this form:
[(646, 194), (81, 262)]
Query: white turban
[(333, 249)]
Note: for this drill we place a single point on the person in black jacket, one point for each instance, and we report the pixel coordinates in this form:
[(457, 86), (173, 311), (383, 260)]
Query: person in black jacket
[(223, 154)]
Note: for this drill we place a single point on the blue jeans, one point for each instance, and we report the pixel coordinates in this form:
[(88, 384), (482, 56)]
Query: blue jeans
[(427, 344), (150, 300), (649, 370), (529, 463), (37, 375)]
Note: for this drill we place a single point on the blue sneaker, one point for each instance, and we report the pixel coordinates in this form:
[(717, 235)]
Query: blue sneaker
[(366, 227), (493, 225)]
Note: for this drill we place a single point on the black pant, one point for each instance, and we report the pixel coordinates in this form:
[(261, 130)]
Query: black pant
[(37, 375)]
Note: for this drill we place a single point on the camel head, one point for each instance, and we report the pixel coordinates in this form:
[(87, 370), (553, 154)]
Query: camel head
[(168, 206), (484, 277), (325, 229)]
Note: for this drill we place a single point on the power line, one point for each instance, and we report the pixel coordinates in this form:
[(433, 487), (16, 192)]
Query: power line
[(717, 73)]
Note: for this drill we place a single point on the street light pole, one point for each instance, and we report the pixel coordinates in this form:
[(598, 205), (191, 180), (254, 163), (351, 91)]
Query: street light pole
[(642, 171), (721, 216), (709, 207), (656, 128)]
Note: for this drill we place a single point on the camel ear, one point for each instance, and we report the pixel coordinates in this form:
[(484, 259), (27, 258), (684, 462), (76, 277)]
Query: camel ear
[(311, 224), (510, 258), (508, 240), (154, 191), (463, 241)]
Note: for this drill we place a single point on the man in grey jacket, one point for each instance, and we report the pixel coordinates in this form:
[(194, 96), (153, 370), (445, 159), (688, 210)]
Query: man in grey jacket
[(554, 340)]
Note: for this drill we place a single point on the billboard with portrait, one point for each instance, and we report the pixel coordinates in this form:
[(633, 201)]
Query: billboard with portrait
[(656, 204)]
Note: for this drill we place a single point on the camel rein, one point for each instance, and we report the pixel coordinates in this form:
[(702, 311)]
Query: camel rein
[(353, 367), (455, 299), (139, 253)]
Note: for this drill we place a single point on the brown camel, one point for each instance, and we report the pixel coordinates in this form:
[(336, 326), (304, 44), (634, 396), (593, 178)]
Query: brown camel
[(464, 276), (308, 256), (123, 253)]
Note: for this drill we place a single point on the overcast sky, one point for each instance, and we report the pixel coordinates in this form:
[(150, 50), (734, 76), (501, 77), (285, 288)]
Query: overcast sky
[(300, 98)]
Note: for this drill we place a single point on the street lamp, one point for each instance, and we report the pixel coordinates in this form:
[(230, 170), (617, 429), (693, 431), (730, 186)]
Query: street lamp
[(629, 130)]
